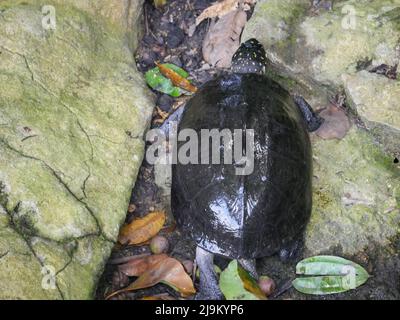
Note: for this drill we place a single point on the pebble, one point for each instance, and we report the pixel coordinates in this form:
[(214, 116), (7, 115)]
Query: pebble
[(165, 102)]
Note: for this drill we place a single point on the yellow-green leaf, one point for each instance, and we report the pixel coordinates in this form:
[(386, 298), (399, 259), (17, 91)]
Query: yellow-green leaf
[(237, 284)]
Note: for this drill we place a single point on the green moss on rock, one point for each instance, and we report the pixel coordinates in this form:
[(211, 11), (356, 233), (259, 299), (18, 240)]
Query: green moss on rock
[(355, 200), (73, 111)]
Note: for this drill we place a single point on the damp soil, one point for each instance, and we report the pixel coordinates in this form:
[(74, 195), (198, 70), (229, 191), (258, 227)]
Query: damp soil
[(165, 39)]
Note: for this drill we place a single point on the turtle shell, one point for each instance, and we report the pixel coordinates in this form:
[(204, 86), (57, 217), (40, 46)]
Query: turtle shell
[(254, 215)]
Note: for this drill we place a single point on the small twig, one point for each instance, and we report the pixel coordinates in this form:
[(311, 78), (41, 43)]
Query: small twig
[(146, 23)]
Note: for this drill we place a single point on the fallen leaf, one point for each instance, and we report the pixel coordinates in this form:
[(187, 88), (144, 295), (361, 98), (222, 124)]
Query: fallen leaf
[(237, 284), (136, 267), (223, 39), (218, 9), (331, 274), (126, 259), (336, 124), (250, 284), (175, 77), (157, 81), (142, 229), (168, 271)]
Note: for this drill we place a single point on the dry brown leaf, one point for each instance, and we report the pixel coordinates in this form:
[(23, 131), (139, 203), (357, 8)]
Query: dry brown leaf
[(168, 271), (336, 124), (142, 229), (222, 8), (137, 267), (223, 39), (218, 9)]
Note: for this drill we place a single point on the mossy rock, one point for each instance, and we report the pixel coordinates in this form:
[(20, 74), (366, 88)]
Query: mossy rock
[(73, 112), (356, 195)]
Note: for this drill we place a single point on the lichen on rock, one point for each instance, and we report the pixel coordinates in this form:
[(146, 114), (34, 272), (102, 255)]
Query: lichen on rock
[(73, 109), (356, 190)]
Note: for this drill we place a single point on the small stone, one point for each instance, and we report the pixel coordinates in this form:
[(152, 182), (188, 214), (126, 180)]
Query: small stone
[(267, 285), (131, 208), (159, 244), (165, 102)]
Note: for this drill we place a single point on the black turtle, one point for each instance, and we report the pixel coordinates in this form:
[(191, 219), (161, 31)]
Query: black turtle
[(255, 214)]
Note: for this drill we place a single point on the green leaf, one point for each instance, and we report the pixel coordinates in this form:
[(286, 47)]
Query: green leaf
[(158, 82), (332, 275), (234, 281)]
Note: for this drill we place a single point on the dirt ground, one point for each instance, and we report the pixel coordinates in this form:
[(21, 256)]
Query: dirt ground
[(165, 39)]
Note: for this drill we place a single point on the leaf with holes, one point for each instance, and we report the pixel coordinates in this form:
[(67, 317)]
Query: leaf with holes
[(330, 274)]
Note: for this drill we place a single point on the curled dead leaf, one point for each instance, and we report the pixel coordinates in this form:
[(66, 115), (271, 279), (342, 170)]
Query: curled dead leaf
[(168, 271), (218, 9), (222, 8), (137, 267), (141, 230), (223, 39)]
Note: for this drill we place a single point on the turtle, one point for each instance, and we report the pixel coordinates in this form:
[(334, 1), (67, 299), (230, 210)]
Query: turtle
[(252, 215)]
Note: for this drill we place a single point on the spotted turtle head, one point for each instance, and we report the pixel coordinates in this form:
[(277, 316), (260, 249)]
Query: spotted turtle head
[(249, 58)]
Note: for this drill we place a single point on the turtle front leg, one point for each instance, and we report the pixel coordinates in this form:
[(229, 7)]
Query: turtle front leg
[(312, 120), (208, 288), (174, 118), (250, 266)]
